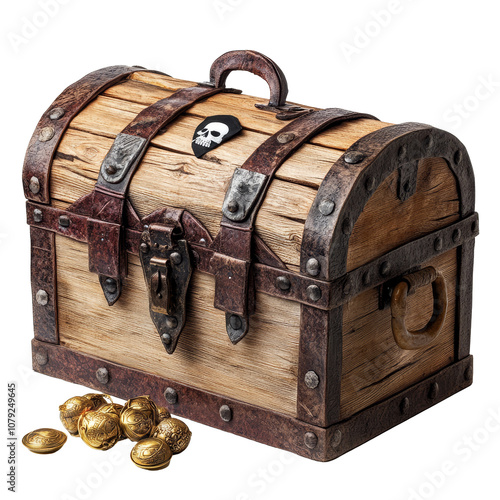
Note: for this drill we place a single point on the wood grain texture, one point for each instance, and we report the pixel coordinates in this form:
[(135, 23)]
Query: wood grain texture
[(261, 369), (374, 367), (387, 223)]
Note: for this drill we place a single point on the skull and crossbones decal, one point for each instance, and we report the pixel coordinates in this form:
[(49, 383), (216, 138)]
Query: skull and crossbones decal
[(213, 131)]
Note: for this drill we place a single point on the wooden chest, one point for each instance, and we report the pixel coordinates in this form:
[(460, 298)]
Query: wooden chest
[(300, 277)]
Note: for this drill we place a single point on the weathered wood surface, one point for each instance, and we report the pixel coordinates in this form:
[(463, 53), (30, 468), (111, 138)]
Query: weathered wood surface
[(261, 369), (386, 223), (373, 365), (171, 175)]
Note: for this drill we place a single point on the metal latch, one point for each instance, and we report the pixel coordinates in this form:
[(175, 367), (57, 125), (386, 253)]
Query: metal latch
[(167, 271)]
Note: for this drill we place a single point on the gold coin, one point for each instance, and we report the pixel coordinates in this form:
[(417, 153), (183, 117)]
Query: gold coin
[(44, 441), (111, 408), (161, 414), (115, 409), (151, 454), (138, 418), (174, 432), (98, 400), (70, 412), (99, 430)]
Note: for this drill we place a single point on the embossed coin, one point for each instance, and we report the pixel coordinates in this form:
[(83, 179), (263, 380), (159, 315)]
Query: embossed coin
[(138, 418), (70, 412), (151, 454), (44, 441), (174, 432), (98, 400), (161, 414), (99, 430), (115, 409)]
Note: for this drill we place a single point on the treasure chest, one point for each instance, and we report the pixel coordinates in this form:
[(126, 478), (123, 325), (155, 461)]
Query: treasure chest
[(301, 277)]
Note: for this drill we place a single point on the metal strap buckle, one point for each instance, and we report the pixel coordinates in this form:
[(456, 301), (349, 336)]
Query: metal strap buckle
[(167, 271)]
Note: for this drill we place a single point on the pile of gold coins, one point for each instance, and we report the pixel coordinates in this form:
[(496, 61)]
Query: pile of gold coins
[(101, 424)]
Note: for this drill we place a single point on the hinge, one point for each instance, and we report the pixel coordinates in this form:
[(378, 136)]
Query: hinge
[(167, 271)]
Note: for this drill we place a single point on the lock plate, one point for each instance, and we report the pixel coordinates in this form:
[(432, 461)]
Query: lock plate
[(167, 271)]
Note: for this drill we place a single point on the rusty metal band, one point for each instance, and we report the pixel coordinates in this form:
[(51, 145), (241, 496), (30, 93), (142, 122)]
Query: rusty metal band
[(274, 429), (44, 285), (107, 256), (325, 243), (55, 121), (230, 264), (357, 174), (268, 272)]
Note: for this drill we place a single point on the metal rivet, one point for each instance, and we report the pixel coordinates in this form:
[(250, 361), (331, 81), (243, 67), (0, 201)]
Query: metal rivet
[(144, 247), (353, 157), (226, 413), (326, 207), (111, 169), (438, 244), (310, 440), (56, 113), (428, 142), (235, 322), (346, 226), (402, 151), (64, 221), (102, 375), (156, 245), (286, 137), (171, 395), (41, 357), (203, 242), (346, 289), (457, 234), (433, 390), (42, 297), (313, 293), (370, 183), (385, 268), (404, 407), (283, 283), (312, 266), (311, 379), (166, 338), (34, 185), (242, 187), (366, 279), (110, 285), (336, 439), (37, 215), (175, 258), (171, 322), (46, 134), (468, 373), (457, 158), (233, 206)]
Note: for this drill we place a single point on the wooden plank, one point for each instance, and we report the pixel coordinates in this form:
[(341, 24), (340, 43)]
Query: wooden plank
[(374, 367), (172, 179), (146, 88), (387, 223), (260, 370)]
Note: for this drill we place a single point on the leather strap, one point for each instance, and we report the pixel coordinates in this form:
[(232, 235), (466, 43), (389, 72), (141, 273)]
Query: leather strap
[(231, 261), (56, 120), (107, 256)]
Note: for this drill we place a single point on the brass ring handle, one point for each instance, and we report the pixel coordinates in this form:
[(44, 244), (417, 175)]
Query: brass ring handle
[(407, 339)]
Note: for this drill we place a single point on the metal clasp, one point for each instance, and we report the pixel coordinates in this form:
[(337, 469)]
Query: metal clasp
[(167, 271)]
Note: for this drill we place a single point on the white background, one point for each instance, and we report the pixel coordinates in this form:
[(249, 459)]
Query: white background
[(424, 61)]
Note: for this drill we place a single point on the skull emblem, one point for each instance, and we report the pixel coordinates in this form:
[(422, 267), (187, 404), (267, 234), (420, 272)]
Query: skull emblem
[(212, 132)]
